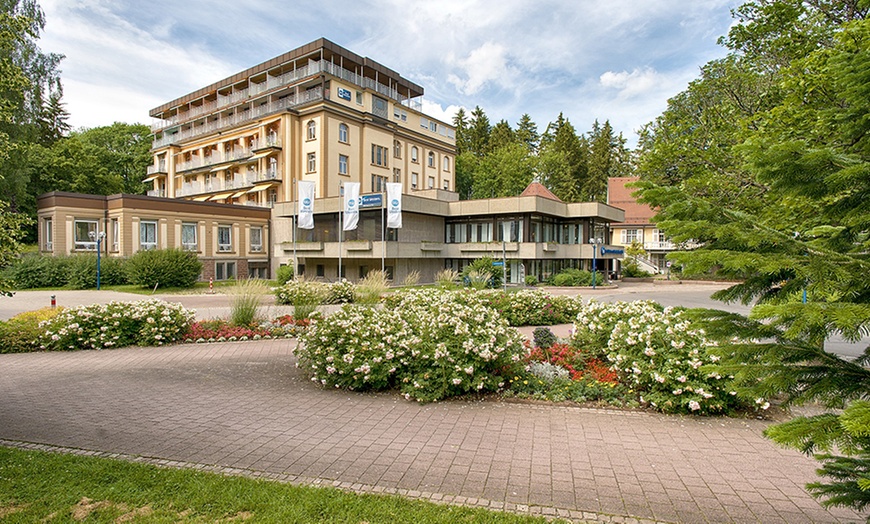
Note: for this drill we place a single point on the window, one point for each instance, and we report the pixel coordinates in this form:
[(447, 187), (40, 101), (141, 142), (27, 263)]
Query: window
[(630, 235), (397, 149), (257, 239), (224, 270), (389, 271), (342, 164), (431, 182), (414, 181), (225, 238), (424, 122), (431, 159), (379, 107), (446, 185), (414, 154), (400, 114), (445, 163), (312, 162), (116, 234), (379, 155), (148, 234), (48, 234), (433, 126), (312, 130), (342, 133), (397, 175), (379, 184), (86, 234), (320, 270), (359, 100), (188, 237)]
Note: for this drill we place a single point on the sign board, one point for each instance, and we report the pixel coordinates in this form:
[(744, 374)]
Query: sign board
[(668, 263), (375, 200), (344, 93), (498, 263), (612, 251)]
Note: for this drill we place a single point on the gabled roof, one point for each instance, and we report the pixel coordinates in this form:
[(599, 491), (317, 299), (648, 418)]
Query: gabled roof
[(538, 189)]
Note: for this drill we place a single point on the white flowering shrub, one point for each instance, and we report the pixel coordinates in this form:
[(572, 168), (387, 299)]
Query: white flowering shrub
[(594, 322), (531, 307), (430, 344), (340, 292), (299, 291), (660, 355), (117, 324)]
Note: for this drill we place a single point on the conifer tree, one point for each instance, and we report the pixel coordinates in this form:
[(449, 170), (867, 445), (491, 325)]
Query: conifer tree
[(779, 197)]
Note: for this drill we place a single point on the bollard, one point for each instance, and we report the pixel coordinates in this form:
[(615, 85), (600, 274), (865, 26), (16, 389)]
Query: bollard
[(211, 286), (53, 302)]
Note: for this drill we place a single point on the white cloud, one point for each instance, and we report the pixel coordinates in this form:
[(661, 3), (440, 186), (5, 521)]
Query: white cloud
[(637, 82), (488, 64)]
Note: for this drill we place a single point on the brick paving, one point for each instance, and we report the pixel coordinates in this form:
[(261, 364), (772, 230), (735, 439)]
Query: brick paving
[(244, 408)]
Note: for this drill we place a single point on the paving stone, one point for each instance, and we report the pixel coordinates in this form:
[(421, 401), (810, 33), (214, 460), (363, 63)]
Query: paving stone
[(244, 408)]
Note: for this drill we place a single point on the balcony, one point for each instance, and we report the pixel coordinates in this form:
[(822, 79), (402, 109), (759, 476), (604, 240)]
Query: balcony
[(228, 121), (267, 143), (157, 193), (160, 168), (275, 82)]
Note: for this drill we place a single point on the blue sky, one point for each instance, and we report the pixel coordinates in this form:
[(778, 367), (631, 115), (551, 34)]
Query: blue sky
[(590, 59)]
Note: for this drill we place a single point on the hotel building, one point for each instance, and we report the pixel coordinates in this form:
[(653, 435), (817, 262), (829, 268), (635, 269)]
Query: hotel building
[(228, 157)]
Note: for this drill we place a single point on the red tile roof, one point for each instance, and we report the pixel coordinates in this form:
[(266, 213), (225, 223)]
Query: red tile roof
[(538, 189), (620, 196)]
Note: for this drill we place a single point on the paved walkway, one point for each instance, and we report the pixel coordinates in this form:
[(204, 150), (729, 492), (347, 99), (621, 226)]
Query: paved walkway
[(246, 406)]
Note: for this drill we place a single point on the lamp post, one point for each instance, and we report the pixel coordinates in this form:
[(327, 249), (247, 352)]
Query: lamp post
[(594, 242), (99, 237)]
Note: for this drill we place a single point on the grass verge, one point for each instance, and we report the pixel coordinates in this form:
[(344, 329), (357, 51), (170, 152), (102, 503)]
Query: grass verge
[(49, 487)]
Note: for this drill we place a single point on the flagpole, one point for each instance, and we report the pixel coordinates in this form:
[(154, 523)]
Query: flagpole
[(293, 192), (340, 225)]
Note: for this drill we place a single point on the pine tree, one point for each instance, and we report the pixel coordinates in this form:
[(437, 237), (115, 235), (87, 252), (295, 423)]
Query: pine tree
[(478, 133), (527, 133), (780, 198), (460, 122), (501, 135)]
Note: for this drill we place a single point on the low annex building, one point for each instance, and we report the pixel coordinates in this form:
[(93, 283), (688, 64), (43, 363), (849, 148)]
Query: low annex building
[(229, 157)]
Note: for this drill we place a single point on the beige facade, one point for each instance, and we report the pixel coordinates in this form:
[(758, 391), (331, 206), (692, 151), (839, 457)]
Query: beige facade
[(228, 159), (231, 241)]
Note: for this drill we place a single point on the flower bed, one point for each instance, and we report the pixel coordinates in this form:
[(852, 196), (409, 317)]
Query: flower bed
[(430, 344), (117, 324)]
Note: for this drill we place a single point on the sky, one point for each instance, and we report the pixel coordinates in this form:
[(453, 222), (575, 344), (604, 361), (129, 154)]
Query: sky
[(617, 60)]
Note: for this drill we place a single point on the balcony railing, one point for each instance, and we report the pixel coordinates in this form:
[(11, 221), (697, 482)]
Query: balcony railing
[(265, 143), (274, 82), (157, 193), (239, 118), (160, 168)]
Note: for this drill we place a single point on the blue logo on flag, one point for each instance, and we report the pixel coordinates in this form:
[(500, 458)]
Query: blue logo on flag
[(306, 202), (395, 203), (351, 203)]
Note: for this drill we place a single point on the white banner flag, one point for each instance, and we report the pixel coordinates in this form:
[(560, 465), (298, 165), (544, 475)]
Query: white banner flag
[(305, 204), (351, 205), (394, 205)]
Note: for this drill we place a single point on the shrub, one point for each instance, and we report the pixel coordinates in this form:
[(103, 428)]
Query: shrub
[(659, 355), (163, 267), (340, 292), (431, 344), (34, 271), (81, 271), (529, 307), (284, 274), (573, 277), (246, 296), (303, 295), (561, 389), (543, 337), (369, 290), (482, 273), (20, 333), (632, 270), (117, 324), (531, 280)]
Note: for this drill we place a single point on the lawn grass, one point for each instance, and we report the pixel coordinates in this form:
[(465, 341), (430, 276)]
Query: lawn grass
[(38, 486)]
